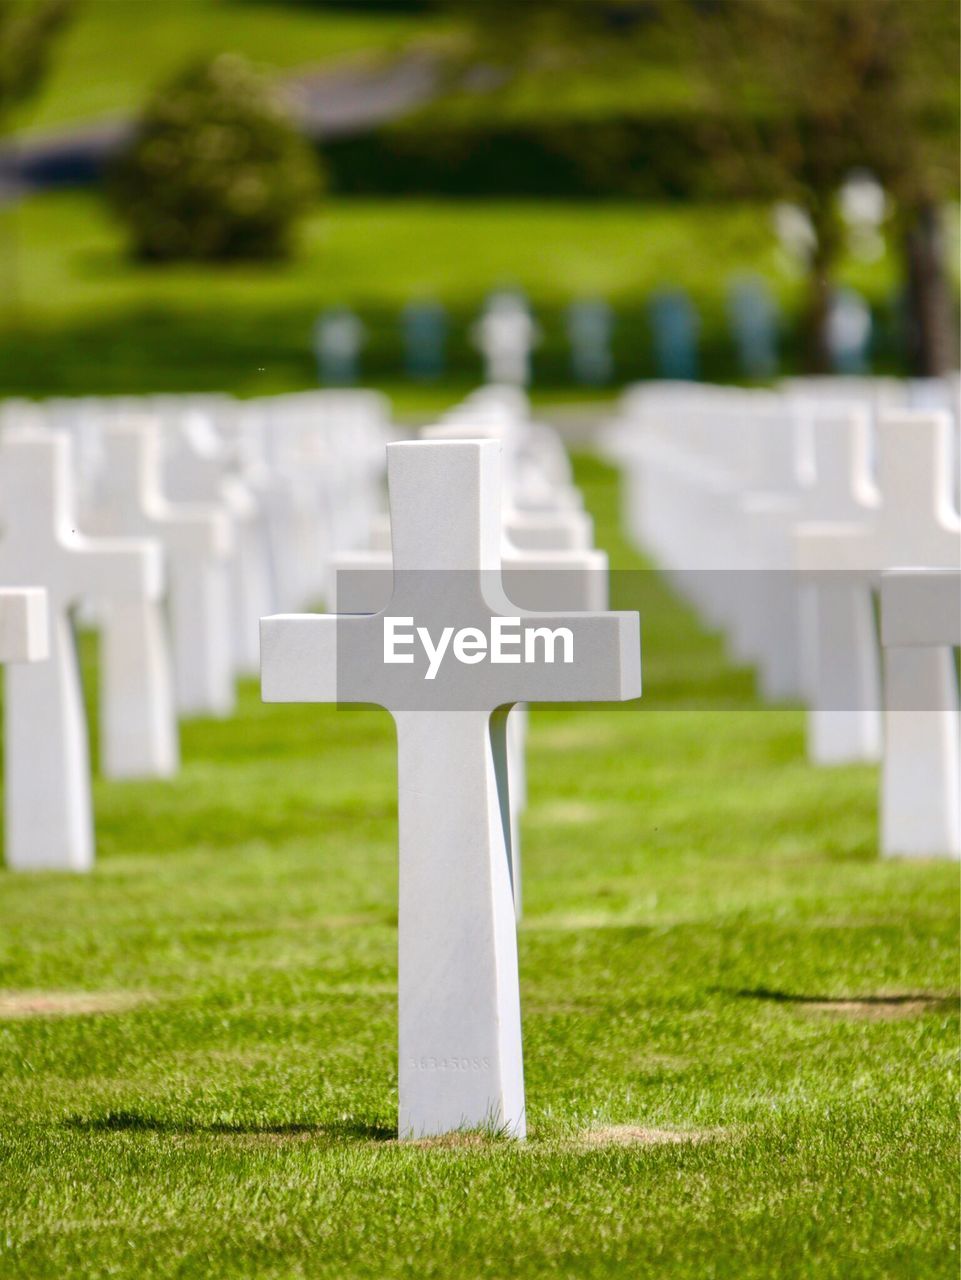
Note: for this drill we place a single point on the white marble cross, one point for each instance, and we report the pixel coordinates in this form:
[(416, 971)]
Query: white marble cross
[(769, 615), (920, 805), (915, 526), (460, 1037), (545, 581), (538, 516), (915, 523), (197, 541), (23, 624), (138, 721), (841, 651), (506, 334), (48, 814), (200, 471)]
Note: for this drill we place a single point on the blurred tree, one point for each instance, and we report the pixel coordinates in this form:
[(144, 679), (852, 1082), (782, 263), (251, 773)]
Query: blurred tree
[(799, 93), (215, 170), (838, 85), (27, 32)]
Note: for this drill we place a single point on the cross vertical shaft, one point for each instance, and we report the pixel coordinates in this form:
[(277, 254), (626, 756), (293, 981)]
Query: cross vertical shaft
[(460, 1030)]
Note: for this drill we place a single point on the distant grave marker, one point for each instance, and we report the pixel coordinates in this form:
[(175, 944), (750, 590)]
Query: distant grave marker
[(590, 325), (676, 328), (506, 335), (849, 327), (425, 340), (338, 341), (752, 313)]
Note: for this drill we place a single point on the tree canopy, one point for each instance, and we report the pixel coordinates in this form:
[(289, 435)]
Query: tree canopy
[(795, 93), (27, 32)]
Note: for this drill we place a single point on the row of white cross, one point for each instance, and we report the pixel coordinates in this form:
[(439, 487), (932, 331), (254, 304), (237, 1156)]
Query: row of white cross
[(484, 528), (775, 512), (172, 526), (190, 483)]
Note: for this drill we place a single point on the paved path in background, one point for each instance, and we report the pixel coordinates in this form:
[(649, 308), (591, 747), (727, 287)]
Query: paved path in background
[(332, 103)]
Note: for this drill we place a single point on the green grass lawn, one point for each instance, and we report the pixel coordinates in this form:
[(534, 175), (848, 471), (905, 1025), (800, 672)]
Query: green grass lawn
[(740, 1026), (76, 316), (116, 52)]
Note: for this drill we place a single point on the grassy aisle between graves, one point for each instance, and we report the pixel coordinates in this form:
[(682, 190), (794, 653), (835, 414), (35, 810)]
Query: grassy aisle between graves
[(740, 1027)]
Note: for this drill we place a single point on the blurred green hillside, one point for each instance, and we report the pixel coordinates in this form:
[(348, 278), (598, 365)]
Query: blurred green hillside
[(116, 52), (600, 181), (77, 316)]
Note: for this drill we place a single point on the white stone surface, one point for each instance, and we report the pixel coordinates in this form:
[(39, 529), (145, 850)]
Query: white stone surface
[(542, 509), (844, 713), (921, 770), (138, 721), (200, 470), (915, 526), (23, 624), (47, 772), (197, 542), (546, 581), (921, 607), (537, 494), (460, 1044), (712, 490), (326, 453)]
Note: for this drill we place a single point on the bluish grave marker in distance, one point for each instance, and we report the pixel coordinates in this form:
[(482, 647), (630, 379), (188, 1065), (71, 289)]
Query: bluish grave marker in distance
[(753, 317), (338, 339), (849, 329), (425, 339), (676, 326), (590, 323)]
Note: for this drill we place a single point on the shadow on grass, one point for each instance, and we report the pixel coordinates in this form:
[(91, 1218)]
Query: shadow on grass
[(137, 1122), (933, 1000)]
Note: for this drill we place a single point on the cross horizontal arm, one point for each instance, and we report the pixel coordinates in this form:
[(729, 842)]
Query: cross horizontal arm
[(606, 666), (134, 466), (594, 657), (190, 531), (23, 625), (921, 607), (115, 567), (298, 656), (825, 547)]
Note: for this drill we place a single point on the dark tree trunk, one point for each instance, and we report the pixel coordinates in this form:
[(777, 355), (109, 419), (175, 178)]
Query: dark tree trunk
[(817, 346), (932, 347)]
